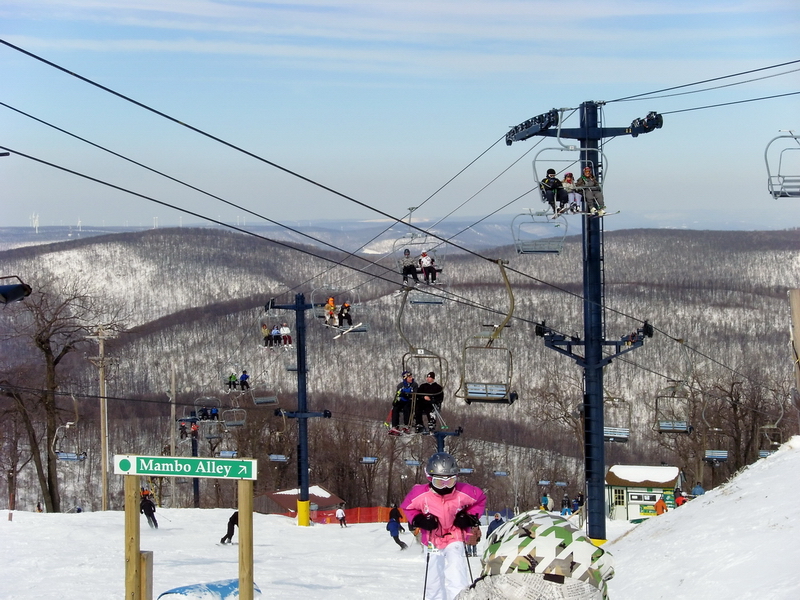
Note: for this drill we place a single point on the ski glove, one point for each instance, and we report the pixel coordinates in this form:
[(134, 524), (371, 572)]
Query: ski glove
[(427, 522), (464, 520)]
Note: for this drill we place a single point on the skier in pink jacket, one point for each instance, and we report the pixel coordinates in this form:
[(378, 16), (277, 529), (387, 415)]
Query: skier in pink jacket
[(445, 511)]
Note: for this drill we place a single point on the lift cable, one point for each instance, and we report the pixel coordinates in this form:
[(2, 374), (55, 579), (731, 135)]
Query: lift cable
[(678, 87)]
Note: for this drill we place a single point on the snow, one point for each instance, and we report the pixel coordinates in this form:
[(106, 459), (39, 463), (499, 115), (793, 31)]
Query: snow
[(313, 490), (634, 473), (739, 541)]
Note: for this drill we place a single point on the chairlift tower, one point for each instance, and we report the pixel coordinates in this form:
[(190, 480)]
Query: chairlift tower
[(301, 414), (589, 136)]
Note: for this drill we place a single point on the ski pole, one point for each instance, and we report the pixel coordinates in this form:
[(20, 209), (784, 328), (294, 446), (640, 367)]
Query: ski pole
[(469, 567), (425, 584)]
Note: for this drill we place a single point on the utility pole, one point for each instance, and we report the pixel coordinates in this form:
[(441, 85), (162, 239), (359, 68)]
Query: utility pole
[(172, 399), (592, 360), (794, 304), (100, 362)]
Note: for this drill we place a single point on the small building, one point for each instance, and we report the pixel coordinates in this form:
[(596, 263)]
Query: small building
[(632, 491)]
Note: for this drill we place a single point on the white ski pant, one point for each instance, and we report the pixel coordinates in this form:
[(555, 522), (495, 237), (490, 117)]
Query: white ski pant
[(447, 572)]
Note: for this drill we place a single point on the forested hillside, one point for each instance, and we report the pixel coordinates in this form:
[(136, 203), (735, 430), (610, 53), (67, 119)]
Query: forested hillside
[(192, 301)]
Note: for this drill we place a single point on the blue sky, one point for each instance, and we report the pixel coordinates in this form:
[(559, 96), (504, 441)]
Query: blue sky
[(385, 102)]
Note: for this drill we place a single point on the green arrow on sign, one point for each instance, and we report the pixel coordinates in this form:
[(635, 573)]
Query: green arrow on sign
[(179, 466)]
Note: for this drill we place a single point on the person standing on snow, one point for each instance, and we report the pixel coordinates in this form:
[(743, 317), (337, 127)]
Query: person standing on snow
[(394, 528), (698, 490), (496, 522), (661, 506), (445, 511), (232, 523), (341, 516), (148, 508)]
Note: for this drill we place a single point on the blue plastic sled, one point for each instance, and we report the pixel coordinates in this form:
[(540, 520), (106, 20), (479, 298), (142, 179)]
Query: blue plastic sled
[(226, 589)]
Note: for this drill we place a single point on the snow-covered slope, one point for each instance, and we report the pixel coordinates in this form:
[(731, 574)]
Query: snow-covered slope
[(739, 541)]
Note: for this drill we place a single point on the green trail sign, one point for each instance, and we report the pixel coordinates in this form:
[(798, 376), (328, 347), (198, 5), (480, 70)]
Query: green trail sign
[(179, 466)]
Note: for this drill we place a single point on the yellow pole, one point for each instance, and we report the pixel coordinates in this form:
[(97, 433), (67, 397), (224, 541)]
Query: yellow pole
[(246, 539), (303, 513), (132, 559)]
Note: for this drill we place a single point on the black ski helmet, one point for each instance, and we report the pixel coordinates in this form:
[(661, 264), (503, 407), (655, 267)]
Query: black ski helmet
[(441, 464)]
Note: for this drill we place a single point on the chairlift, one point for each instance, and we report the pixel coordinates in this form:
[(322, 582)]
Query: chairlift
[(64, 446), (418, 245), (418, 359), (262, 395), (227, 453), (213, 430), (234, 417), (617, 412), (487, 366), (229, 379), (553, 159), (783, 166), (772, 438), (538, 232), (714, 438), (673, 407), (207, 408), (330, 317)]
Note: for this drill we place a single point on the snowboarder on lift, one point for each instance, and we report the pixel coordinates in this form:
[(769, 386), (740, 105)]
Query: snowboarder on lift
[(344, 315), (243, 381)]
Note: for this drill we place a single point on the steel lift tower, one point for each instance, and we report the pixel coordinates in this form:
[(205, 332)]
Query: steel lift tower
[(597, 352)]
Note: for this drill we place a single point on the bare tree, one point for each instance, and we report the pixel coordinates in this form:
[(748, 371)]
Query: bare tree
[(55, 320)]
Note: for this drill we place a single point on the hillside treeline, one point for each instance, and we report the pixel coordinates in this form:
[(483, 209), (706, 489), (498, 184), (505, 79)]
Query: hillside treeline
[(191, 302)]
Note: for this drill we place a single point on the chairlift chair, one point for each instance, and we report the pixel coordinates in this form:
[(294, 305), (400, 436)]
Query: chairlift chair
[(417, 359), (714, 437), (262, 395), (351, 296), (487, 366), (64, 448), (234, 417), (554, 159), (225, 379), (617, 412), (203, 408), (213, 430), (60, 445), (673, 406), (416, 244), (772, 438), (782, 156), (537, 232)]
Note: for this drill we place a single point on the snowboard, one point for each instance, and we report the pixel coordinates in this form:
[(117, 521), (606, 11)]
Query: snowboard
[(346, 331), (213, 590)]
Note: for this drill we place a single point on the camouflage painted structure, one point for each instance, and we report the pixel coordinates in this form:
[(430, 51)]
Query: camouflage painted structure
[(538, 556)]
